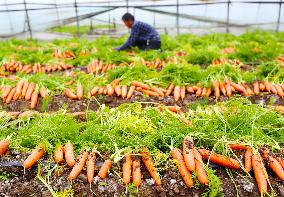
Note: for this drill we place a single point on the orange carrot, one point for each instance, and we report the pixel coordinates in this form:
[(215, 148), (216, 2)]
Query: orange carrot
[(223, 89), (170, 89), (199, 166), (279, 159), (189, 89), (232, 88), (117, 90), (198, 92), (238, 146), (267, 85), (34, 156), (238, 87), (184, 172), (4, 145), (209, 91), (69, 154), (228, 89), (95, 90), (195, 88), (70, 94), (260, 175), (126, 169), (105, 169), (148, 162), (177, 93), (187, 152), (90, 167), (220, 159), (19, 88), (115, 82), (149, 92), (123, 91), (136, 172), (10, 96), (182, 92), (30, 91), (79, 91), (6, 92), (204, 92), (101, 90), (130, 92), (43, 92), (59, 154), (34, 99), (110, 89), (261, 87), (279, 90), (139, 84), (274, 165), (273, 89), (160, 92), (175, 109), (78, 167), (248, 158), (256, 87), (215, 85)]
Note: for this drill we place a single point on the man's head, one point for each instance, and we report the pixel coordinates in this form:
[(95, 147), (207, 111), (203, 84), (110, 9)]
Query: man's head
[(128, 20)]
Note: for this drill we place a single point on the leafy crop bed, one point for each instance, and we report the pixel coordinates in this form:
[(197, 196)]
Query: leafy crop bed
[(131, 112)]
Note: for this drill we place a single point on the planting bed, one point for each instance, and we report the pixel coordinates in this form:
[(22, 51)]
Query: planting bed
[(197, 93)]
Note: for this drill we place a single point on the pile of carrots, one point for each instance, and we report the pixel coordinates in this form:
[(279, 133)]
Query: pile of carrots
[(98, 67), (25, 90), (63, 55), (36, 68)]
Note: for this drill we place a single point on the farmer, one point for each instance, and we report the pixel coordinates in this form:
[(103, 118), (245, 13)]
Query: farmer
[(142, 35)]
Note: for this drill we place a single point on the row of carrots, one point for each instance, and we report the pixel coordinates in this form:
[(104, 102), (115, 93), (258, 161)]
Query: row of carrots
[(98, 67), (36, 68), (63, 54), (229, 61), (24, 90), (188, 160)]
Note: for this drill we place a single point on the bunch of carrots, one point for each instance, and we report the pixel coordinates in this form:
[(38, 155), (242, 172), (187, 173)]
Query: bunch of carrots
[(25, 90), (63, 55), (36, 68), (98, 67), (158, 63)]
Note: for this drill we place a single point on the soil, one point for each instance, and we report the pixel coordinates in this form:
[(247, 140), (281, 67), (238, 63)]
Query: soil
[(58, 102), (18, 183)]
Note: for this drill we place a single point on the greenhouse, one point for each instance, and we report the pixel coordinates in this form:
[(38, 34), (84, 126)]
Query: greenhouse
[(141, 98)]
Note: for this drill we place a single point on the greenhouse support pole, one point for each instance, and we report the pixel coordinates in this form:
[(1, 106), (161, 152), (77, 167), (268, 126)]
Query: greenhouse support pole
[(28, 20), (279, 16), (177, 19), (127, 7), (77, 19), (228, 17)]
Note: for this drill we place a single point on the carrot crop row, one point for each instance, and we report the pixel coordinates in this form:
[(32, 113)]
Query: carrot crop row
[(63, 55), (98, 67)]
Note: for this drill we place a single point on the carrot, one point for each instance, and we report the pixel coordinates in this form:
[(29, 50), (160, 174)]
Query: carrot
[(4, 145), (175, 109), (149, 92), (248, 158), (184, 172), (177, 93), (170, 89), (256, 87), (277, 158), (182, 92), (136, 171), (273, 164), (189, 89), (19, 87), (139, 84), (69, 154), (279, 90), (209, 91), (228, 89), (223, 89), (260, 175), (94, 90), (267, 85), (110, 89), (148, 162), (198, 92), (69, 82), (34, 99), (101, 90), (78, 167), (187, 152), (204, 92), (123, 91), (215, 85), (43, 92), (59, 154), (195, 88), (30, 91), (130, 92), (261, 87), (220, 159), (232, 88), (160, 92), (6, 92), (10, 96), (199, 166), (117, 90), (91, 166), (34, 156), (79, 91), (238, 87), (273, 89), (115, 82), (238, 146), (126, 169), (70, 94), (105, 169)]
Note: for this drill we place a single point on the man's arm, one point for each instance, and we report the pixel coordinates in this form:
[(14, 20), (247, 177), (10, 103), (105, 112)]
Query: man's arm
[(131, 40)]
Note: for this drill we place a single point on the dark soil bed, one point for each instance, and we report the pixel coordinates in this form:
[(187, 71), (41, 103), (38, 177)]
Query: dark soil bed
[(16, 183)]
